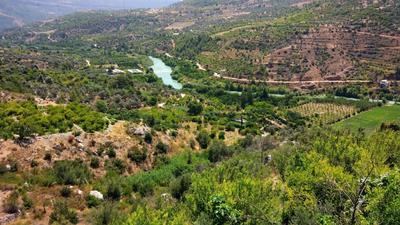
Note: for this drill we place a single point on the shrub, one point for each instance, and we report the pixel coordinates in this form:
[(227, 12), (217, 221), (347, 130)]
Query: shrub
[(114, 191), (111, 153), (137, 155), (94, 163), (27, 202), (65, 192), (161, 148), (221, 135), (11, 203), (195, 108), (144, 187), (203, 138), (71, 172), (148, 138), (92, 201), (179, 186), (119, 165), (34, 163), (106, 214), (62, 214), (217, 151), (47, 156)]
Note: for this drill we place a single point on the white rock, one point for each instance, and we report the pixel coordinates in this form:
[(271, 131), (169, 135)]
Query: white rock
[(96, 194)]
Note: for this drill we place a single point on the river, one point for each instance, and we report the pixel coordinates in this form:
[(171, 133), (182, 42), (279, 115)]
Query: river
[(164, 72)]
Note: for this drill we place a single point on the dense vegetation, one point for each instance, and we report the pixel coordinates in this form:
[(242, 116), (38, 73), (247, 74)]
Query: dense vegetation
[(26, 119), (127, 149)]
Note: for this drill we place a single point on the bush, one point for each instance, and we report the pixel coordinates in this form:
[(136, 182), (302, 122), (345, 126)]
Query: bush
[(119, 166), (71, 172), (137, 155), (148, 138), (65, 192), (217, 151), (62, 214), (11, 203), (161, 148), (195, 108), (95, 163), (47, 156), (203, 138), (144, 187), (92, 201), (27, 202), (114, 191), (111, 153), (106, 214), (221, 135), (179, 186)]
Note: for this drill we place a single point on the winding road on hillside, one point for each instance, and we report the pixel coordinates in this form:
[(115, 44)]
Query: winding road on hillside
[(243, 80)]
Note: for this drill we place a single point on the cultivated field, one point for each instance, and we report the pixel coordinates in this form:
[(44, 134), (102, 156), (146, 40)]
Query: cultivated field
[(371, 120), (325, 113)]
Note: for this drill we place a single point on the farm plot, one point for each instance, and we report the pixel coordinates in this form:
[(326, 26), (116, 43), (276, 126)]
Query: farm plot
[(370, 120), (325, 113)]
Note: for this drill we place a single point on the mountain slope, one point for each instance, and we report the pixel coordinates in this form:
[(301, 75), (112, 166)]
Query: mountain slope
[(19, 12)]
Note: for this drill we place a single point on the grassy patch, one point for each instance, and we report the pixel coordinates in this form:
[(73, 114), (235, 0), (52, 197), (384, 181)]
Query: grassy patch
[(371, 120)]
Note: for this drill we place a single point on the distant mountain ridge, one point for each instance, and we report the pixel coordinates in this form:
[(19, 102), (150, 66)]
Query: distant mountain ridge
[(18, 12)]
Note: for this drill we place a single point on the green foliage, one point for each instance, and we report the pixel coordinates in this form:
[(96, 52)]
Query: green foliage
[(71, 172), (106, 214), (180, 185), (95, 163), (203, 138), (111, 152), (161, 148), (148, 138), (92, 201), (195, 108), (25, 119), (62, 214), (65, 192), (118, 165), (114, 191), (137, 155), (222, 212), (145, 182), (217, 151)]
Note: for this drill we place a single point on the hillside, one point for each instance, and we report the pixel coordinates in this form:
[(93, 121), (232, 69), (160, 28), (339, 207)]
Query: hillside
[(220, 112), (19, 12)]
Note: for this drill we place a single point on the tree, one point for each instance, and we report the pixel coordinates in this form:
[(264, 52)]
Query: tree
[(195, 108), (217, 151), (24, 132)]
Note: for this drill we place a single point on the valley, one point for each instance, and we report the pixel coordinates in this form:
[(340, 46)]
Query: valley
[(217, 112)]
